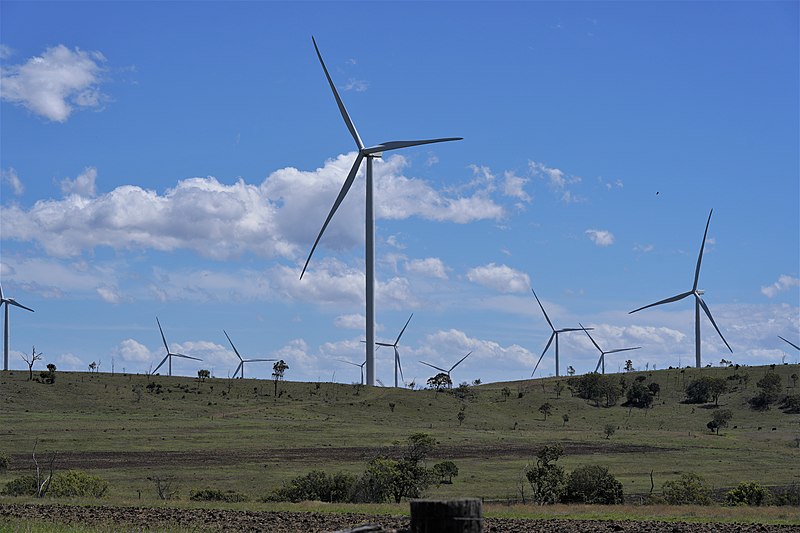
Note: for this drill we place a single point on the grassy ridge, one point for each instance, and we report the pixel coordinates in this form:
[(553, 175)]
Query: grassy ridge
[(234, 426)]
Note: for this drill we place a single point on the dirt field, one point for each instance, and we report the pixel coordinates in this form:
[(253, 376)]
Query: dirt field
[(146, 519)]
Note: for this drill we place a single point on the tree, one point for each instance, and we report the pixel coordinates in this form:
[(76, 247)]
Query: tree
[(545, 477), (748, 493), (505, 392), (690, 489), (609, 430), (92, 367), (558, 388), (399, 478), (546, 409), (770, 386), (418, 446), (461, 416), (31, 361), (278, 369), (720, 420), (706, 388), (440, 381), (628, 366), (565, 418), (570, 370), (794, 379), (639, 396), (202, 374), (50, 375), (654, 388), (445, 471), (593, 484)]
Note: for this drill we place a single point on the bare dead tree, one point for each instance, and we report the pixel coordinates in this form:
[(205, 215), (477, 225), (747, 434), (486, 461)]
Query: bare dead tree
[(165, 487), (31, 361), (42, 485)]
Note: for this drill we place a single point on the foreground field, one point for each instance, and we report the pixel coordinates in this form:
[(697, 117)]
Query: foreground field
[(237, 435)]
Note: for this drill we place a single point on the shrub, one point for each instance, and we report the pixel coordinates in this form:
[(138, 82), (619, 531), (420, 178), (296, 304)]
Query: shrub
[(216, 495), (593, 484), (4, 462), (545, 477), (748, 493), (445, 471), (317, 486), (690, 489), (76, 483), (789, 495), (21, 486)]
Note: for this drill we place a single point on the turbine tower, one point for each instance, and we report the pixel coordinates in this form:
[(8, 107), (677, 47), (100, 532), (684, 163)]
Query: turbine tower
[(451, 368), (396, 353), (169, 355), (602, 360), (8, 302), (698, 302), (368, 153), (552, 336), (242, 361)]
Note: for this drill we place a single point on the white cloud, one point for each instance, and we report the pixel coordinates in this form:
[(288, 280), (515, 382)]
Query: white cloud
[(83, 185), (51, 84), (109, 294), (353, 321), (430, 266), (12, 179), (644, 248), (600, 237), (6, 51), (557, 180), (70, 361), (132, 351), (514, 186), (500, 277), (784, 283), (358, 86)]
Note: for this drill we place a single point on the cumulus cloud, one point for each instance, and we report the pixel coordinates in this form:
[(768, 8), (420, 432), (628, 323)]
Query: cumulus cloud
[(430, 266), (644, 248), (514, 186), (11, 178), (500, 278), (5, 51), (133, 351), (600, 237), (109, 294), (784, 283), (557, 180), (52, 84), (83, 185), (353, 321), (221, 221)]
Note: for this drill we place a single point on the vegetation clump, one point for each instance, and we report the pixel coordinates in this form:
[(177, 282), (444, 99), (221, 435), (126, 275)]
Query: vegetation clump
[(690, 489), (748, 493), (593, 484), (69, 484)]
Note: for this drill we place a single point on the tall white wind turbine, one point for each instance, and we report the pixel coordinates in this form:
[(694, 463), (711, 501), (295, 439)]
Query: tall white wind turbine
[(447, 371), (602, 360), (8, 302), (361, 366), (242, 361), (553, 335), (170, 354), (397, 364), (368, 153), (698, 302)]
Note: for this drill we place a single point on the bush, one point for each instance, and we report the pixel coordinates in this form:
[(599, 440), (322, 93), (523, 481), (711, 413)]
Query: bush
[(690, 489), (317, 486), (593, 484), (21, 486), (4, 462), (215, 495), (789, 495), (748, 493), (76, 483), (445, 471)]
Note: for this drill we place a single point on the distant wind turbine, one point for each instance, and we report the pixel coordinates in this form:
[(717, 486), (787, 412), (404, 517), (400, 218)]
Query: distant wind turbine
[(368, 153), (790, 342), (698, 302), (361, 366), (242, 361), (8, 302), (451, 368), (169, 355), (553, 335), (602, 360), (396, 353)]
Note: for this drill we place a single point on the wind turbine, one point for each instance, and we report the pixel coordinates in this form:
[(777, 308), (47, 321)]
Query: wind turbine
[(368, 153), (698, 302), (602, 360), (361, 366), (169, 355), (451, 368), (242, 361), (552, 336), (790, 342), (396, 353), (8, 302)]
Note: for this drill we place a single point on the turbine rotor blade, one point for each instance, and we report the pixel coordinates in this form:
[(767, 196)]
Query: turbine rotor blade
[(700, 255), (14, 302), (342, 110), (161, 363), (591, 339), (404, 329), (459, 361), (240, 367), (790, 342), (543, 311), (185, 356), (665, 301), (434, 366), (381, 343), (395, 145), (549, 342), (257, 360), (399, 366), (599, 360), (711, 318), (163, 338), (342, 193), (232, 346), (622, 350)]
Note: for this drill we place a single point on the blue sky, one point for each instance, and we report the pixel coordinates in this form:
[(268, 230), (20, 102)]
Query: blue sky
[(178, 159)]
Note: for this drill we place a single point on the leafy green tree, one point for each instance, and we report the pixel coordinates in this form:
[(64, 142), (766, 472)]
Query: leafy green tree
[(654, 388), (748, 493), (794, 378), (720, 420), (593, 484), (278, 370), (705, 389), (628, 366), (400, 478), (609, 430), (638, 395), (546, 409), (418, 446), (558, 388), (440, 381), (690, 489), (565, 418), (505, 392), (445, 471), (770, 386), (545, 477), (50, 375), (203, 374), (317, 486)]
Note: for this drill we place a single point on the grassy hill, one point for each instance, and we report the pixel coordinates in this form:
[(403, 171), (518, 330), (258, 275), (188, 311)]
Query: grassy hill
[(235, 434)]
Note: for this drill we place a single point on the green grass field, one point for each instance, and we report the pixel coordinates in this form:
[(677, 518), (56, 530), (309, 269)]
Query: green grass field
[(234, 434)]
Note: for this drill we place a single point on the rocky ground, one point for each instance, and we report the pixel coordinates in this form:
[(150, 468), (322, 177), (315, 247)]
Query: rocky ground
[(147, 519)]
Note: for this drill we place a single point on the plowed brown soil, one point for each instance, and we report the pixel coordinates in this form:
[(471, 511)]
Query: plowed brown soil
[(152, 519)]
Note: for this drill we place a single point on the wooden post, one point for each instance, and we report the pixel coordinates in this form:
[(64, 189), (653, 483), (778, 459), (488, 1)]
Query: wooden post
[(447, 516)]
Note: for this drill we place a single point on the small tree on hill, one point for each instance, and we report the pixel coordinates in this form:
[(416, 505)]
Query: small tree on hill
[(546, 477), (50, 375), (546, 409), (609, 430), (558, 388), (565, 418), (203, 374), (720, 420), (440, 381), (705, 389), (794, 378), (31, 361), (628, 366), (278, 370)]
